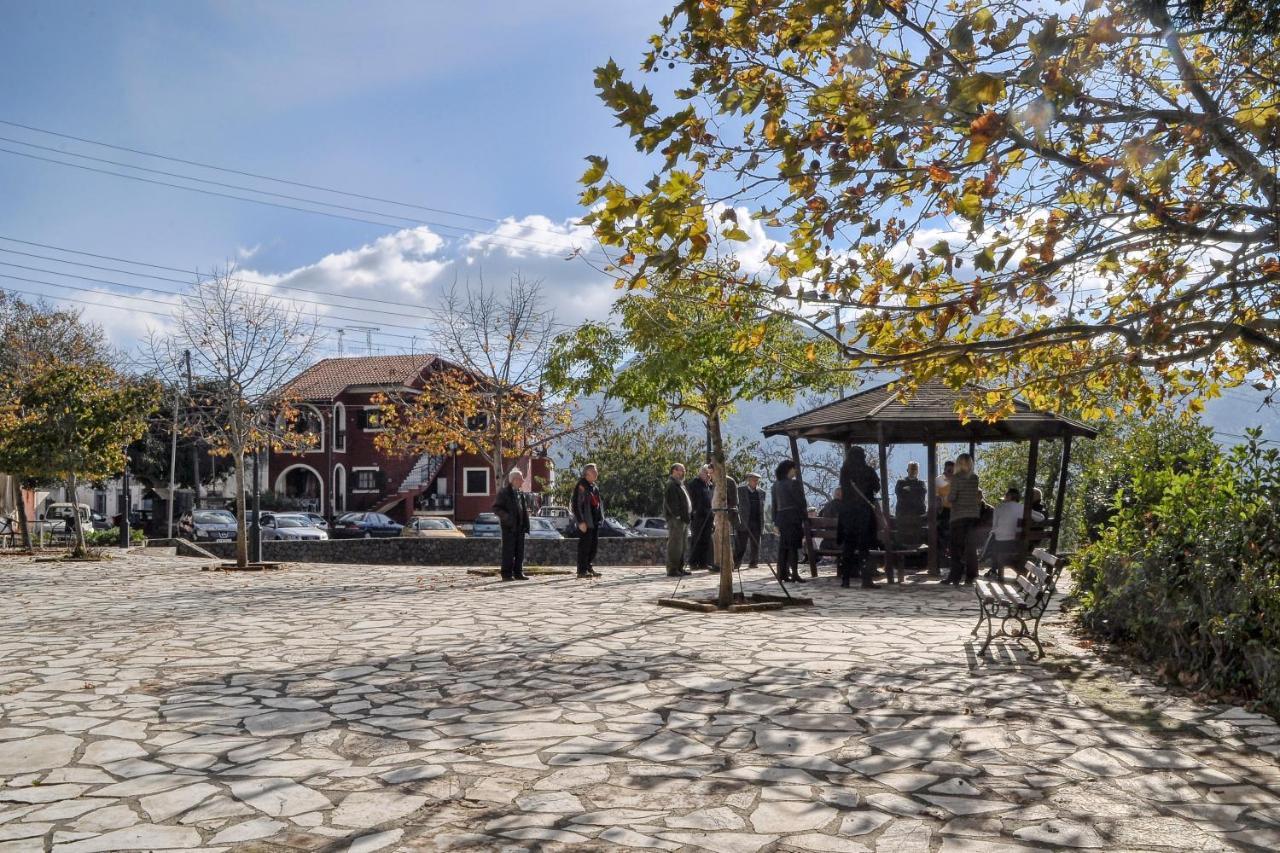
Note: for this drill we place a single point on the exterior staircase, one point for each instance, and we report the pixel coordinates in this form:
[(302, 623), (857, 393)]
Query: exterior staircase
[(420, 478)]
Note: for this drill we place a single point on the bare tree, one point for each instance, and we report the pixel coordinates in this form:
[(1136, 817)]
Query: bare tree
[(244, 346), (495, 404)]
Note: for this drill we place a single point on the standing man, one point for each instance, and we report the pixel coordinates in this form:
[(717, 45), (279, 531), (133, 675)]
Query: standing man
[(512, 509), (588, 515), (676, 509), (733, 514), (750, 521), (700, 521)]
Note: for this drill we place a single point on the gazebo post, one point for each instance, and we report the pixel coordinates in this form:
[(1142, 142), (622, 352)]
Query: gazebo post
[(808, 528), (884, 502), (1060, 498), (932, 492), (1033, 461), (973, 450)]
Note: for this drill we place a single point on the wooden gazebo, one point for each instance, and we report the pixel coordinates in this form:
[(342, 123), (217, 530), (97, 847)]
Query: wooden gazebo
[(880, 416)]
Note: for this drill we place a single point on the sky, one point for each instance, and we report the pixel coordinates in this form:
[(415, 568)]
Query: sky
[(478, 113), (481, 111)]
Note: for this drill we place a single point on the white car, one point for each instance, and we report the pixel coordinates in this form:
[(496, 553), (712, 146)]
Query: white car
[(543, 528), (290, 527), (652, 526)]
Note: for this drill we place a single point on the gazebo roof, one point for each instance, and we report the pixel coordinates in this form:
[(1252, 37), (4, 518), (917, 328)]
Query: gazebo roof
[(928, 415)]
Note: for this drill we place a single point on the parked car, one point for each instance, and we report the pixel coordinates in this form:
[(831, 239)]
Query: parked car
[(486, 526), (653, 526), (290, 527), (611, 529), (559, 516), (56, 517), (207, 525), (365, 525), (543, 528), (431, 527)]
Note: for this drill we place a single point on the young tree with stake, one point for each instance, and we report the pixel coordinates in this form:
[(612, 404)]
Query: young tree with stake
[(686, 346), (245, 346)]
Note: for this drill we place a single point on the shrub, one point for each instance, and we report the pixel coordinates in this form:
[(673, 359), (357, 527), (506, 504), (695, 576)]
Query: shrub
[(112, 537), (1186, 570)]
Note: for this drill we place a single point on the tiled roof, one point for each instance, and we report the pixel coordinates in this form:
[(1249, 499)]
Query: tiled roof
[(329, 377), (930, 414)]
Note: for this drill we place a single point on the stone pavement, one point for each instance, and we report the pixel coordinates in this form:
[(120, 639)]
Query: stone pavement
[(146, 705)]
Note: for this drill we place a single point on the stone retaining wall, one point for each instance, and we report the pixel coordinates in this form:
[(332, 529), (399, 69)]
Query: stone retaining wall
[(461, 552)]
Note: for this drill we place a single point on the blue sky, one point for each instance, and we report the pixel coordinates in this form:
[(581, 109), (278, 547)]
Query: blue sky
[(483, 107)]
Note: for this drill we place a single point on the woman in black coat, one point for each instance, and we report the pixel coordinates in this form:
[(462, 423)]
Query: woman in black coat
[(859, 484), (789, 508)]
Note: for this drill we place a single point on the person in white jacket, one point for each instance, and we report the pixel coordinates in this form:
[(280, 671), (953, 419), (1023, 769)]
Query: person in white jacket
[(1005, 545)]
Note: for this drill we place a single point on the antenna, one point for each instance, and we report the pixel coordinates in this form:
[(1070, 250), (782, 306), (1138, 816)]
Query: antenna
[(368, 336)]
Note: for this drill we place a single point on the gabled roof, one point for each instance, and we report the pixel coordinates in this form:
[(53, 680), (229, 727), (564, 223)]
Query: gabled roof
[(928, 415), (329, 377)]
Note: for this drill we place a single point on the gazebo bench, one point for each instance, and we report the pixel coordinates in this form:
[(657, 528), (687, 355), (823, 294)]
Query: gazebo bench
[(1022, 600), (822, 529)]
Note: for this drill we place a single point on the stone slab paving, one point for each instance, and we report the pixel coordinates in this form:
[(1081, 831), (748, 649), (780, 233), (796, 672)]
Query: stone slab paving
[(146, 705)]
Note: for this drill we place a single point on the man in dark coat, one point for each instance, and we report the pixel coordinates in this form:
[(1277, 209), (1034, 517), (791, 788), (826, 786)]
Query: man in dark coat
[(859, 485), (588, 515), (675, 509), (512, 509), (750, 521), (700, 490)]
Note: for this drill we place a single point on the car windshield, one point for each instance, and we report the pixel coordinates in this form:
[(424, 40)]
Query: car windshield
[(433, 524), (213, 517), (541, 524), (291, 521), (351, 518), (486, 518)]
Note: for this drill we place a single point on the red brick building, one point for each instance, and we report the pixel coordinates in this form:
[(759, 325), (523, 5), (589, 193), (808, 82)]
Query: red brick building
[(344, 471)]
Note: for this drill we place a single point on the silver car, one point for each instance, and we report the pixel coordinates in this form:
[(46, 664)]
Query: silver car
[(287, 526), (543, 528), (652, 526)]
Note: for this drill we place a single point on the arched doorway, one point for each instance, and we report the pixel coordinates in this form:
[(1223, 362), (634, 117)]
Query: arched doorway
[(300, 487)]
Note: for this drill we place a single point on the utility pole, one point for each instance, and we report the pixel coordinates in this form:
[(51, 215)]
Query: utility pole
[(173, 459), (124, 505), (255, 530), (341, 332), (195, 445)]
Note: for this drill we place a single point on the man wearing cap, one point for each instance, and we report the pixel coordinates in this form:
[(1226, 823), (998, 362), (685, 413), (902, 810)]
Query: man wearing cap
[(750, 521)]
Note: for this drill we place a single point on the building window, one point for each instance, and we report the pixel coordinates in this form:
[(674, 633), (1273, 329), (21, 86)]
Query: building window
[(339, 428), (370, 419), (366, 479), (475, 481), (307, 423)]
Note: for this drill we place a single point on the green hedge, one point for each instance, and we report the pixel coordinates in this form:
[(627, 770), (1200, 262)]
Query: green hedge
[(1185, 569), (101, 538)]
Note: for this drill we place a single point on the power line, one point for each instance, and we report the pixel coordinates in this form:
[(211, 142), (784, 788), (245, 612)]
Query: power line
[(388, 215), (170, 305), (432, 311), (252, 174), (178, 281), (264, 202)]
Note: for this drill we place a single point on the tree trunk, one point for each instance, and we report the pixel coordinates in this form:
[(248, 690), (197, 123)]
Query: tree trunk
[(77, 530), (242, 542), (723, 543), (24, 524)]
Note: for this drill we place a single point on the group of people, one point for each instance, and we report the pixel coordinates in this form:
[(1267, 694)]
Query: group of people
[(512, 507), (691, 522), (687, 505)]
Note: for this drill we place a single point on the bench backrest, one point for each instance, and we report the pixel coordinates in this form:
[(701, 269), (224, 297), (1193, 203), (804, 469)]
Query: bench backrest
[(1041, 576)]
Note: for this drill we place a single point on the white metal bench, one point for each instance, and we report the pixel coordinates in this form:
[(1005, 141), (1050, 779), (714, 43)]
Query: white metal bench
[(1019, 605)]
